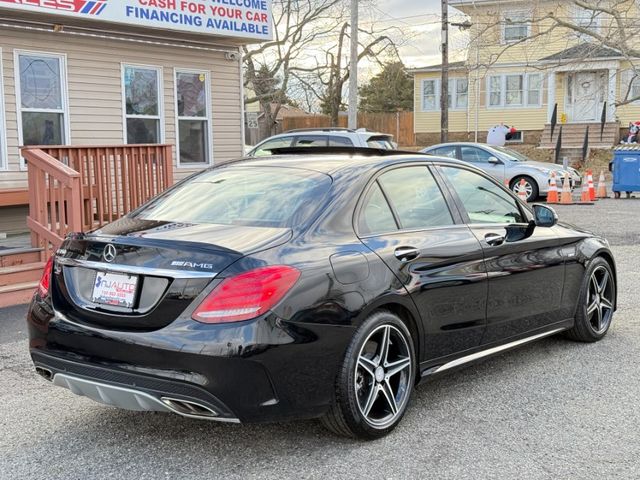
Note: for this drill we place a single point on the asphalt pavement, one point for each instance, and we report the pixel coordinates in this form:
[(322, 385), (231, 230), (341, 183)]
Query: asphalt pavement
[(554, 409)]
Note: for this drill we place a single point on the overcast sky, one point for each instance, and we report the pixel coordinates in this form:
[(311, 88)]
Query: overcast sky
[(420, 19)]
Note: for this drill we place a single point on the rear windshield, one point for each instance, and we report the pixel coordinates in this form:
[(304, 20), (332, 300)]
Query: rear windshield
[(255, 196), (380, 142)]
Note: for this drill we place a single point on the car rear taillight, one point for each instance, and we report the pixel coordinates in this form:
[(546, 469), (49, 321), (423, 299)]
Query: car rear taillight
[(247, 295), (45, 280)]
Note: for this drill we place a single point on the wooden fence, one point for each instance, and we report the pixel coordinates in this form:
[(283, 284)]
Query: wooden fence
[(400, 124), (80, 188)]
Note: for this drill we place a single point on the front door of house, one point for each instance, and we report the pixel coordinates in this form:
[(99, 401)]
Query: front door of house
[(585, 95)]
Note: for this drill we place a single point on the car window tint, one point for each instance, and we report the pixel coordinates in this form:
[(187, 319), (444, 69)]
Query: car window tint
[(340, 142), (263, 150), (416, 198), (444, 152), (484, 201), (376, 216), (255, 196), (311, 141), (475, 155)]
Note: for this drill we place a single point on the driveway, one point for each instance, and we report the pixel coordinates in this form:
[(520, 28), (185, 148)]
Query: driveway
[(551, 410)]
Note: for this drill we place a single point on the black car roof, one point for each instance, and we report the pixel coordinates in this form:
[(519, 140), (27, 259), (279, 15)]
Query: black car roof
[(332, 163)]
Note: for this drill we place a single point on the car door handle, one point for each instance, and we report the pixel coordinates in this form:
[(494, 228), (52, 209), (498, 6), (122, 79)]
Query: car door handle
[(494, 239), (405, 254)]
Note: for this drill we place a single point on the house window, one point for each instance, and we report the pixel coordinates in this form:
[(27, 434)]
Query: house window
[(495, 91), (514, 90), (192, 109), (516, 26), (142, 104), (429, 95), (457, 95), (534, 90), (516, 137), (41, 98), (587, 19)]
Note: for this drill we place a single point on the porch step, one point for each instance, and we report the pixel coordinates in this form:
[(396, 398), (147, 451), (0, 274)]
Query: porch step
[(27, 272), (19, 256), (573, 135), (17, 293)]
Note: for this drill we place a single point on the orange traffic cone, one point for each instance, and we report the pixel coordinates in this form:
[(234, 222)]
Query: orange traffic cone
[(592, 190), (552, 194), (566, 198), (602, 186), (585, 194), (522, 191)]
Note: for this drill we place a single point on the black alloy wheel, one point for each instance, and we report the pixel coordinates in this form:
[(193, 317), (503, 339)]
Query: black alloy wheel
[(375, 382)]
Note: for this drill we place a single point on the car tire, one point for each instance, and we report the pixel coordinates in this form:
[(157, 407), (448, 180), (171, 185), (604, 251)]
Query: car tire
[(535, 190), (370, 399), (596, 303)]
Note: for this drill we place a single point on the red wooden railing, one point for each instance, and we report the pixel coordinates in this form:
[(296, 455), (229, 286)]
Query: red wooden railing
[(81, 188)]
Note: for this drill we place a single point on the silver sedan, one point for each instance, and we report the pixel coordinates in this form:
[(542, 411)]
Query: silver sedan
[(506, 164)]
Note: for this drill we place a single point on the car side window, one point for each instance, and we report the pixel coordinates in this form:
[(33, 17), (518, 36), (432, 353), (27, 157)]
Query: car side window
[(375, 215), (484, 200), (311, 141), (475, 155), (263, 150), (340, 142), (444, 152), (416, 198)]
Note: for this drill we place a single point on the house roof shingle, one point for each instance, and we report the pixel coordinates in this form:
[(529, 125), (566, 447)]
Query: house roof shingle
[(432, 68), (583, 51)]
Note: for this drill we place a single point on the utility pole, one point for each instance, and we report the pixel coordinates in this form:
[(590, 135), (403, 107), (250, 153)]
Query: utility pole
[(353, 68), (444, 82)]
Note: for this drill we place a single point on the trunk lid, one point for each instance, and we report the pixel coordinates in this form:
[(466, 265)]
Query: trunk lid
[(153, 270)]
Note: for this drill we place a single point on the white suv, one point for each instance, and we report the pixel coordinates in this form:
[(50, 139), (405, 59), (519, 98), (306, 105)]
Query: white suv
[(324, 137)]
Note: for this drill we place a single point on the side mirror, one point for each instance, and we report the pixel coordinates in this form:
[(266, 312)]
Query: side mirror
[(545, 216), (494, 160), (519, 231)]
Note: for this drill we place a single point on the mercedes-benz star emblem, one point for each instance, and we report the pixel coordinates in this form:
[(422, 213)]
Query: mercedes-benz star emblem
[(109, 253)]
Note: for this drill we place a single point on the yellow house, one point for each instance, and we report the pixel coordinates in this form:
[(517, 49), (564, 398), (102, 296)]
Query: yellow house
[(527, 61)]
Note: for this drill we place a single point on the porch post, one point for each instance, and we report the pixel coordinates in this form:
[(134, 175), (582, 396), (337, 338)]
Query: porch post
[(611, 95), (551, 94)]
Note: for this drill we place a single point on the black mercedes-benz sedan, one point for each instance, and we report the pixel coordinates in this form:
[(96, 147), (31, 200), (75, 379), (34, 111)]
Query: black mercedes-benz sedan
[(303, 286)]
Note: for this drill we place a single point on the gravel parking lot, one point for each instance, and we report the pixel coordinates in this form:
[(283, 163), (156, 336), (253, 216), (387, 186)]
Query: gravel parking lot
[(553, 409)]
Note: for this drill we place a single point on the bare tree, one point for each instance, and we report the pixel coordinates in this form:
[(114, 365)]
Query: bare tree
[(326, 79), (298, 24)]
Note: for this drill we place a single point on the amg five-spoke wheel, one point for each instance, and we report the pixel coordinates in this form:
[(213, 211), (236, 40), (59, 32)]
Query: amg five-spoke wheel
[(600, 300), (375, 382), (383, 375), (597, 303)]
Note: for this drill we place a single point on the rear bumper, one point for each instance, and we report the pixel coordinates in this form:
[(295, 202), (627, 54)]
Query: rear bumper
[(129, 391), (256, 371)]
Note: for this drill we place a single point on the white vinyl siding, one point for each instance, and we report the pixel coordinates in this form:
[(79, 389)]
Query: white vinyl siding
[(41, 98), (514, 90), (94, 71), (193, 117)]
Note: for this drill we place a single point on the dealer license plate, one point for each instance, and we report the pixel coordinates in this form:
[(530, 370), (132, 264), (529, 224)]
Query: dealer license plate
[(115, 289)]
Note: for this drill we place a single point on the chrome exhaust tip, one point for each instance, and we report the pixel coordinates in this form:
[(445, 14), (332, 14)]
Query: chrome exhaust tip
[(45, 373), (188, 408)]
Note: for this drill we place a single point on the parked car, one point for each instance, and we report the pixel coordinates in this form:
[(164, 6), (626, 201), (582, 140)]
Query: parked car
[(264, 291), (507, 164), (325, 137)]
